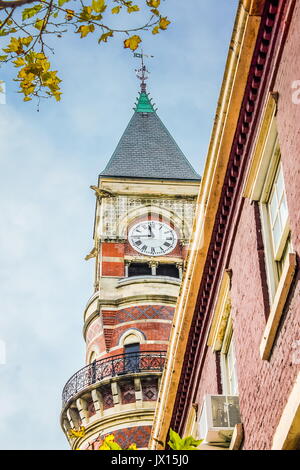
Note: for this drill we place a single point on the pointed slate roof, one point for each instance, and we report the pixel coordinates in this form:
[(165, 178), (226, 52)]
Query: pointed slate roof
[(147, 149)]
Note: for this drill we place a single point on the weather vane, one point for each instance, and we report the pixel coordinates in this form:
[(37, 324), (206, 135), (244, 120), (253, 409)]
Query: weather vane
[(142, 73)]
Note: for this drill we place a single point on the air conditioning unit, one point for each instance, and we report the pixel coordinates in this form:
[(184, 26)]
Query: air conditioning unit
[(220, 414)]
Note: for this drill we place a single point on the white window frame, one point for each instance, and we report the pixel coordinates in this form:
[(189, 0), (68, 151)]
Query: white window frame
[(229, 372), (272, 255)]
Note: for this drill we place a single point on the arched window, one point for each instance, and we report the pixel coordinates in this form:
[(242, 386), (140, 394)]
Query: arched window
[(92, 357), (132, 357), (131, 345)]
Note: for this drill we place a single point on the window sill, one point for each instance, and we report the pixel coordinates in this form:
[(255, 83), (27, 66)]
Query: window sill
[(277, 307), (237, 437)]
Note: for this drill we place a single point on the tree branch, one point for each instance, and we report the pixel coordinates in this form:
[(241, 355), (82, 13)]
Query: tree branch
[(15, 3), (7, 18)]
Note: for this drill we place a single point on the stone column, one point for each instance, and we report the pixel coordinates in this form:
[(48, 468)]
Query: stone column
[(153, 265), (98, 401), (179, 266), (138, 392), (127, 264), (83, 411)]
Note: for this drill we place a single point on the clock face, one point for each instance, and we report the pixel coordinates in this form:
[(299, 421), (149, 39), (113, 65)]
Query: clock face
[(152, 238)]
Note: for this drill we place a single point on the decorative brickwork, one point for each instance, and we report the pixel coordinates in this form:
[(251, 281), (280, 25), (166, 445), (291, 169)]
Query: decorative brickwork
[(127, 392), (108, 401), (150, 389), (138, 435), (91, 408), (147, 312), (109, 319), (94, 330)]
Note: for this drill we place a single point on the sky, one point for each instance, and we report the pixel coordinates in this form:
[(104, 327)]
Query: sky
[(48, 160)]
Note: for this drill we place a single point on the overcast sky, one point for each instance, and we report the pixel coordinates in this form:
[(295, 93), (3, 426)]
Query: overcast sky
[(48, 161)]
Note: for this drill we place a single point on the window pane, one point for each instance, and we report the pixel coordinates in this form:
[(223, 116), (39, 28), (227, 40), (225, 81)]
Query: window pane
[(230, 373), (276, 232), (283, 210), (273, 206), (280, 183)]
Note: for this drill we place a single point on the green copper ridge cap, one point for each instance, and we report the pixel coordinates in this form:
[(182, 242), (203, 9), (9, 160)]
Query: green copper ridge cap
[(144, 105)]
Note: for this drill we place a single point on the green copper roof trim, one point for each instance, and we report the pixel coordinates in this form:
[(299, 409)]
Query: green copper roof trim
[(144, 105)]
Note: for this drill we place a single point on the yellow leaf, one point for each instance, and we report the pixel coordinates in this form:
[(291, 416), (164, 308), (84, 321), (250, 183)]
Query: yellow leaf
[(116, 10), (155, 30), (84, 30), (105, 36), (81, 432), (27, 98), (132, 447), (104, 446), (153, 3), (132, 42), (39, 24), (132, 8), (69, 14), (40, 55), (164, 22), (98, 6), (19, 62), (26, 41)]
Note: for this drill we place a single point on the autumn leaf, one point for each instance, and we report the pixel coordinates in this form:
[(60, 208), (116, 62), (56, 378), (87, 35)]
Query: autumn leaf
[(19, 62), (98, 6), (164, 22), (69, 14), (39, 24), (62, 2), (29, 12), (26, 41), (132, 447), (153, 3), (132, 42), (84, 30), (155, 30), (116, 10), (132, 8), (105, 36), (80, 433)]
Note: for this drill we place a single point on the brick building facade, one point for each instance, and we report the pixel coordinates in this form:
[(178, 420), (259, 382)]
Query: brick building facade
[(237, 321)]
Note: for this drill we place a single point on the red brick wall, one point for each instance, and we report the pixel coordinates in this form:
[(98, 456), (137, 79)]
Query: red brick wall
[(264, 386), (113, 267), (288, 119)]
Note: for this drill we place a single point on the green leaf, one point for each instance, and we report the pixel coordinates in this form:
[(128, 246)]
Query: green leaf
[(62, 2), (30, 12)]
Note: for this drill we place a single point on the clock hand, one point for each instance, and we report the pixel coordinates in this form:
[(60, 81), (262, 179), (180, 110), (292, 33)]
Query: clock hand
[(151, 233)]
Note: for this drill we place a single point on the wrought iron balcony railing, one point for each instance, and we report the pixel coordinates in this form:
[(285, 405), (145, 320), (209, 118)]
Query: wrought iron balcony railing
[(122, 364)]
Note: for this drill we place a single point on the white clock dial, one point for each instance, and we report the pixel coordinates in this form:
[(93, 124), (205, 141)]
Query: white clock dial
[(152, 238)]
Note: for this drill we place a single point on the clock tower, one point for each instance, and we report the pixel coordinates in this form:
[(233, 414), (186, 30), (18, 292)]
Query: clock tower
[(145, 203)]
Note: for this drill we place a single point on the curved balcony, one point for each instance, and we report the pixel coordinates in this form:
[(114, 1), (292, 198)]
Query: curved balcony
[(122, 364)]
